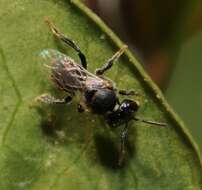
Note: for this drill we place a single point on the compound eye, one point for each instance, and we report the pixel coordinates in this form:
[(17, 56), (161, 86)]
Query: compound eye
[(129, 106), (134, 105)]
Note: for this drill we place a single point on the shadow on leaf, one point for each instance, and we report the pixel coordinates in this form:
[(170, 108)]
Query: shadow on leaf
[(108, 152)]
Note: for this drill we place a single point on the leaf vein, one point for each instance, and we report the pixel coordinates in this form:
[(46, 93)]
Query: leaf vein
[(17, 92)]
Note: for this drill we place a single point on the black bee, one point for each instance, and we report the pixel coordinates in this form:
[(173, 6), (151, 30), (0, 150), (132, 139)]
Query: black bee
[(97, 94)]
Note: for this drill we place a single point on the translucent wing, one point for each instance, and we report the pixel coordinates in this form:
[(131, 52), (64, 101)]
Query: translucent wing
[(65, 72)]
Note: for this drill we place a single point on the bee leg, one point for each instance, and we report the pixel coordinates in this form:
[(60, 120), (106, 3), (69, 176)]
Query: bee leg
[(124, 134), (67, 41), (48, 99), (110, 61), (80, 108), (128, 93)]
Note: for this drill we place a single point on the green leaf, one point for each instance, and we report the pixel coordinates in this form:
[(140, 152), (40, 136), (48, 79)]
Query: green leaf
[(184, 81), (54, 147), (186, 70)]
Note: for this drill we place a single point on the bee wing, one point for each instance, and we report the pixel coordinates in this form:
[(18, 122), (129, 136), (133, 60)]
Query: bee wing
[(65, 72), (50, 57)]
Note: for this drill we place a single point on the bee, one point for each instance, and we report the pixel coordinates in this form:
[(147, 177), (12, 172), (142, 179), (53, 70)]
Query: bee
[(98, 94)]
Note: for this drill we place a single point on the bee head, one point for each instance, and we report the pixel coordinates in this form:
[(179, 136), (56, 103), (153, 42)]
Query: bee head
[(101, 100), (129, 106)]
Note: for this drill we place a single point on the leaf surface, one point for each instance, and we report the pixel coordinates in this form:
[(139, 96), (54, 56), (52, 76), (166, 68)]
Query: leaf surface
[(55, 147)]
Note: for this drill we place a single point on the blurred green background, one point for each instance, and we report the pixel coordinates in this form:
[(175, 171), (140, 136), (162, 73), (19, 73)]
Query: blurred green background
[(167, 38)]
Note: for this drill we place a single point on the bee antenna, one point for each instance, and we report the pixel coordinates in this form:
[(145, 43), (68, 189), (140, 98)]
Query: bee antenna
[(150, 122)]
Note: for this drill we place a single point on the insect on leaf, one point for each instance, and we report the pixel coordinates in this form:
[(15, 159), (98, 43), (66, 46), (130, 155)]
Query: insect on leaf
[(55, 147)]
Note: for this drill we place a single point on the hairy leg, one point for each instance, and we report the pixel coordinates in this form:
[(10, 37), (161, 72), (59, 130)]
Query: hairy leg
[(67, 41), (48, 99), (123, 137), (128, 93), (110, 62)]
